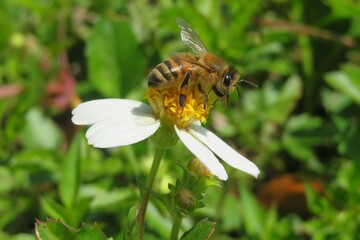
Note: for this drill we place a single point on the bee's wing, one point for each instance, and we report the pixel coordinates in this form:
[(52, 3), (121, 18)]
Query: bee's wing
[(190, 37)]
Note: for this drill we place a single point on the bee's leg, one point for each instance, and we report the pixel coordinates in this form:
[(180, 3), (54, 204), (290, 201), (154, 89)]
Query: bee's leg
[(206, 97), (182, 97), (182, 100)]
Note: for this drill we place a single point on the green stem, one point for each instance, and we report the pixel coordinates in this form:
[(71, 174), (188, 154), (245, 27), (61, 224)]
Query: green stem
[(140, 218), (175, 228)]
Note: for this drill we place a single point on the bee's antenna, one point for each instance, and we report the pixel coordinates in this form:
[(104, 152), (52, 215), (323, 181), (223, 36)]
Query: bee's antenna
[(248, 82), (238, 91)]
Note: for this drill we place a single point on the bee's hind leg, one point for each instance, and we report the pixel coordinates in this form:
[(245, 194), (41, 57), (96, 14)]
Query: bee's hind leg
[(182, 96)]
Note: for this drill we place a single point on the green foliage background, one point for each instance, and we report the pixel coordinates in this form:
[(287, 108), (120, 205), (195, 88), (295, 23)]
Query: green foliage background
[(300, 125)]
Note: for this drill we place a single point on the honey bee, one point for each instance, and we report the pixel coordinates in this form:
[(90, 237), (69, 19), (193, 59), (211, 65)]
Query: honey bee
[(211, 75)]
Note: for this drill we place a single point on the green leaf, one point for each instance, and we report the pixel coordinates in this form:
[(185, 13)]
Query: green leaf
[(302, 132), (231, 213), (303, 122), (335, 102), (53, 230), (53, 209), (157, 222), (72, 217), (57, 230), (346, 81), (252, 211), (344, 8), (9, 212), (40, 131), (79, 210), (90, 232), (129, 228), (18, 236), (115, 63), (286, 99), (296, 148), (104, 71), (7, 180), (312, 199), (103, 199), (69, 182), (201, 231)]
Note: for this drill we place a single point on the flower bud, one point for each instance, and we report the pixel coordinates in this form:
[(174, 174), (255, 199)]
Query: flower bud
[(198, 168), (185, 199)]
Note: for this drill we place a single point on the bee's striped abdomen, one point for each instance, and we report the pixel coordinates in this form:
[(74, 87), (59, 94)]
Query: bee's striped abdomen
[(164, 72)]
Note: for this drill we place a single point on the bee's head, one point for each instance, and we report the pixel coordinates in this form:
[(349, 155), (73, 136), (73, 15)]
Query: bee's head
[(229, 81)]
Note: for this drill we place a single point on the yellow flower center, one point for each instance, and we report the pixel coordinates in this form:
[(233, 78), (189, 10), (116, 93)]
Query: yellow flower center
[(166, 106)]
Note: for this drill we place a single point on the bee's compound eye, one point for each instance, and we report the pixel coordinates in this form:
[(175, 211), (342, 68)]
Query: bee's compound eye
[(227, 80)]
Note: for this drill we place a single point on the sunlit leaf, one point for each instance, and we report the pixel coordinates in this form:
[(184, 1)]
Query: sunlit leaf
[(115, 63), (334, 101), (40, 131)]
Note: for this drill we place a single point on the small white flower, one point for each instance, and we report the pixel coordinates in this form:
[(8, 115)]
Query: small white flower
[(120, 122)]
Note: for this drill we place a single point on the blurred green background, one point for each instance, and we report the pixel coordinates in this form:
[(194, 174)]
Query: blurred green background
[(300, 125)]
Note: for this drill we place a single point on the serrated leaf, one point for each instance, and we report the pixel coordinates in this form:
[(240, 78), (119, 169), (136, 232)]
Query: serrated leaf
[(57, 230), (53, 230), (90, 232), (201, 231), (69, 182)]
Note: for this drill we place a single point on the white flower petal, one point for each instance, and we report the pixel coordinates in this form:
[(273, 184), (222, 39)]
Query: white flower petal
[(109, 123), (197, 123), (224, 151), (114, 131), (88, 113), (202, 153)]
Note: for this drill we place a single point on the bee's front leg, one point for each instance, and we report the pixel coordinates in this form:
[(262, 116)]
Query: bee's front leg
[(182, 97)]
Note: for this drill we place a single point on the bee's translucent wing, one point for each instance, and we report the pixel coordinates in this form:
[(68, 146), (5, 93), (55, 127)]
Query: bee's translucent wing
[(190, 37)]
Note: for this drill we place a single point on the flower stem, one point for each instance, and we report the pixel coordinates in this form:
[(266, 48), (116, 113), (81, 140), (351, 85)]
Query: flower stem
[(140, 218), (175, 228)]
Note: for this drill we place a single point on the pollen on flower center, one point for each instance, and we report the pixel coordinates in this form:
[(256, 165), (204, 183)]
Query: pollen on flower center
[(165, 104)]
